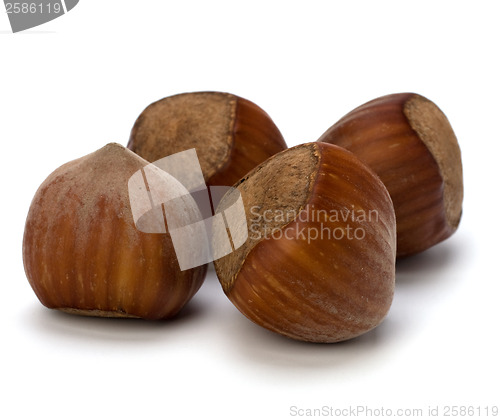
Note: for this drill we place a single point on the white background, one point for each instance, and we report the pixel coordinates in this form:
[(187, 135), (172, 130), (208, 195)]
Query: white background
[(72, 85)]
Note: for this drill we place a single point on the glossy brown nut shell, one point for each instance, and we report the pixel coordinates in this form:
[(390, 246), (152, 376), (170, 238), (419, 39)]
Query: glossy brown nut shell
[(301, 275), (408, 141), (83, 254), (231, 135)]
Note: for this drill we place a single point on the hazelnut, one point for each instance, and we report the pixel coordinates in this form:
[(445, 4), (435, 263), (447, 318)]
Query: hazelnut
[(83, 253), (231, 135), (319, 262), (408, 141)]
